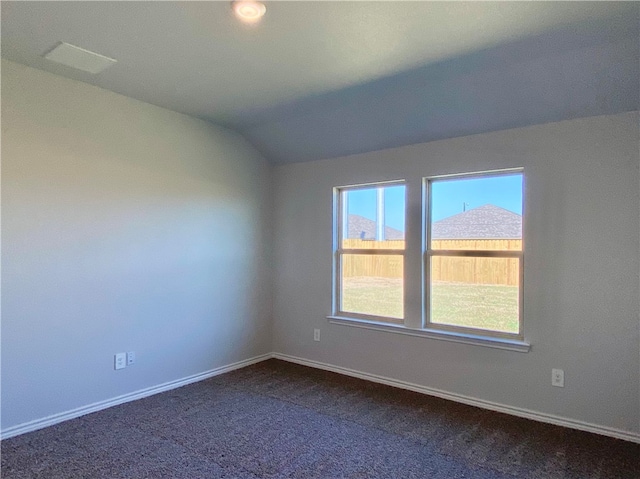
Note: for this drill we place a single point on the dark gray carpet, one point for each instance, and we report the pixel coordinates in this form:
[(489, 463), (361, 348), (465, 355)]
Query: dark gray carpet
[(279, 420)]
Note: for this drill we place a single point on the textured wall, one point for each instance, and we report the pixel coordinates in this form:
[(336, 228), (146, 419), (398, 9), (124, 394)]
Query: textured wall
[(124, 227), (581, 310)]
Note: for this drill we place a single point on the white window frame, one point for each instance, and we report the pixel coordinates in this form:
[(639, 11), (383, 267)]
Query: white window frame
[(338, 251), (415, 281), (428, 254)]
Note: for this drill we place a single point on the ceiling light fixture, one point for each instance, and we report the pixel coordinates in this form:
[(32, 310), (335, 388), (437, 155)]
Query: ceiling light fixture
[(249, 11)]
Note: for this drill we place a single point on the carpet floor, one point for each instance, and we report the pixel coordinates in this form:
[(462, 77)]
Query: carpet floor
[(279, 420)]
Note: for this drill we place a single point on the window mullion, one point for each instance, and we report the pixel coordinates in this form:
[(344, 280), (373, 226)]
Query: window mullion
[(413, 255)]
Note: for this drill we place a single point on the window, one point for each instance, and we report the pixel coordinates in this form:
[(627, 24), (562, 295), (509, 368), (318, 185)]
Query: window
[(369, 252), (474, 260), (471, 286)]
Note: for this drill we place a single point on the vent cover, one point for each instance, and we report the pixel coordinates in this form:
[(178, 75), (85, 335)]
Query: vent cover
[(79, 58)]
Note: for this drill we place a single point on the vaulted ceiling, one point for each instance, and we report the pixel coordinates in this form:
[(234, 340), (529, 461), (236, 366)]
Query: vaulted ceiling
[(317, 80)]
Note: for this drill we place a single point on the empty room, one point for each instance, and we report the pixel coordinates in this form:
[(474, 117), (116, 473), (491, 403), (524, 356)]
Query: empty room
[(333, 239)]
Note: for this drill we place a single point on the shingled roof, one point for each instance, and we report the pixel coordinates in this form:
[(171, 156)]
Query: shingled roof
[(484, 222), (360, 227)]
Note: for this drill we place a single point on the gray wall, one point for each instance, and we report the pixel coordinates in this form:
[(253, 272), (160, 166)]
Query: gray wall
[(129, 227), (124, 227), (581, 289)]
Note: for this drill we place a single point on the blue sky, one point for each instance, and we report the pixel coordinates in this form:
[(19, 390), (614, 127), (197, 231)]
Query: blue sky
[(449, 197)]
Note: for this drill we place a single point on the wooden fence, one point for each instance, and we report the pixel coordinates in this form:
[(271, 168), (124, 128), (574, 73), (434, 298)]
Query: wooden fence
[(504, 271)]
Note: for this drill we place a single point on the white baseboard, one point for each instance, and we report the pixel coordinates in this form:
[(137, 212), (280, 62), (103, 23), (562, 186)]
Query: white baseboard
[(98, 406), (514, 411)]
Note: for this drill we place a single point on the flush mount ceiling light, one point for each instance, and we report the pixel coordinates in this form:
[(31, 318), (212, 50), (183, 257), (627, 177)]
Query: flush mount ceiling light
[(249, 11)]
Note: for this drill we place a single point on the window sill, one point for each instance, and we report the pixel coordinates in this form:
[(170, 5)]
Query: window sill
[(486, 341)]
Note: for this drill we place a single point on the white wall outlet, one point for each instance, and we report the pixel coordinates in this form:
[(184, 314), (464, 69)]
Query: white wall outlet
[(316, 335), (131, 358), (120, 361), (557, 378)]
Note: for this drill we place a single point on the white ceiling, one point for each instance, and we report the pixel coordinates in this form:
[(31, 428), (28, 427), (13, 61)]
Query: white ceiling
[(196, 58)]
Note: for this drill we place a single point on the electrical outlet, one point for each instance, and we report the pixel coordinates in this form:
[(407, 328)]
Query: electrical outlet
[(557, 378), (131, 358), (120, 361), (316, 335)]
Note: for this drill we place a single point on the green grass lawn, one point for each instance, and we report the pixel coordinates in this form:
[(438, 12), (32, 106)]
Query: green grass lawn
[(484, 306), (481, 306), (374, 296)]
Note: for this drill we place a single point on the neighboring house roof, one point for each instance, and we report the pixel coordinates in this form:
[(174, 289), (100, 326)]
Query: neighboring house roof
[(364, 228), (488, 221)]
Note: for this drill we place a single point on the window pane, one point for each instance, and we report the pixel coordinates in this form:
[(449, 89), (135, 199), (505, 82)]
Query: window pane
[(476, 292), (373, 217), (373, 285), (482, 213)]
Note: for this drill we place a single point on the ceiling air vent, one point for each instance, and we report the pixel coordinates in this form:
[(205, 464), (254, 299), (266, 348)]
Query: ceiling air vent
[(76, 57)]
